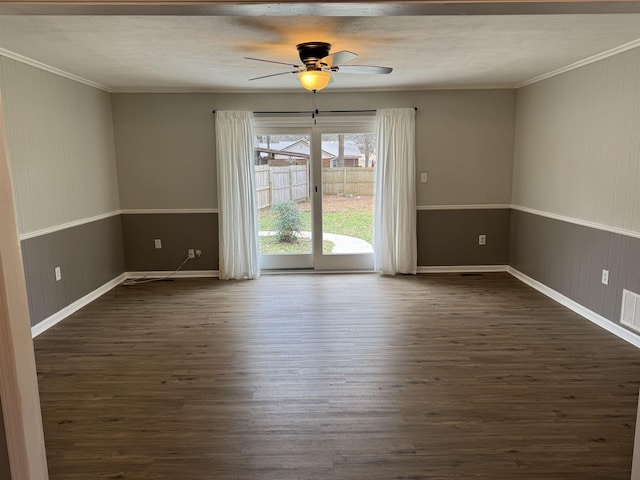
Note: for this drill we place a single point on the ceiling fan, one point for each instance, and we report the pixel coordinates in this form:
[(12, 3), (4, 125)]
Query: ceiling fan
[(317, 65)]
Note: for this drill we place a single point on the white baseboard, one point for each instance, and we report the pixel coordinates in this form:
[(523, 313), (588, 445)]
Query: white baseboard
[(463, 269), (172, 274), (60, 315), (581, 310)]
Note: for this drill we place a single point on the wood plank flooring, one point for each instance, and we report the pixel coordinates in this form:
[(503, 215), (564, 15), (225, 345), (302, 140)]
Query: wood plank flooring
[(341, 377)]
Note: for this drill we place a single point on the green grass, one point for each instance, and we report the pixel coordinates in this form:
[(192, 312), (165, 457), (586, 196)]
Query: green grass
[(353, 223), (271, 245), (356, 224)]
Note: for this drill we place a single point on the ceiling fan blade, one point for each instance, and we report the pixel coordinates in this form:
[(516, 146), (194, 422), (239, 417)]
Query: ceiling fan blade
[(365, 69), (271, 61), (338, 58), (274, 75)]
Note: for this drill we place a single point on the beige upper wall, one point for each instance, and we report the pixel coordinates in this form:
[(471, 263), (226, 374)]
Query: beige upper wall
[(61, 147), (577, 144), (166, 152), (63, 158)]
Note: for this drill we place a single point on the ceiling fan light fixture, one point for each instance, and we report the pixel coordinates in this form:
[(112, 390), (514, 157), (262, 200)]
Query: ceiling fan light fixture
[(314, 80)]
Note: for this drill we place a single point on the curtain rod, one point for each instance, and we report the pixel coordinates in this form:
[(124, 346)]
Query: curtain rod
[(316, 111)]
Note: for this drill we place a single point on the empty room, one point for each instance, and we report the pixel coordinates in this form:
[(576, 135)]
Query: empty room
[(299, 240)]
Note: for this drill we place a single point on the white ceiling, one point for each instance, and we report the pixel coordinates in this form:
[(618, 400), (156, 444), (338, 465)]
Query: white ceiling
[(205, 53)]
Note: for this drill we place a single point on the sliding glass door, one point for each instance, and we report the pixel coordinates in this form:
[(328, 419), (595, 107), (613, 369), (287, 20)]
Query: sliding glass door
[(315, 197)]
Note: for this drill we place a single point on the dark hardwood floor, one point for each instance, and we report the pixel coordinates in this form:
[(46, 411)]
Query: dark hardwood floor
[(339, 377)]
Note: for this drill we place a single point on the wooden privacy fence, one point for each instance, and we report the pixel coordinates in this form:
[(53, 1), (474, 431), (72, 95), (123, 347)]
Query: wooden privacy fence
[(348, 181), (280, 184)]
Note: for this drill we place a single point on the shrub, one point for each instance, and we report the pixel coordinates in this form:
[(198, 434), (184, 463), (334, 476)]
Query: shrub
[(288, 221)]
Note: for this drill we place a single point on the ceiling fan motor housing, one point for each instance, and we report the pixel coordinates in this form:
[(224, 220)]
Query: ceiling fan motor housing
[(312, 52)]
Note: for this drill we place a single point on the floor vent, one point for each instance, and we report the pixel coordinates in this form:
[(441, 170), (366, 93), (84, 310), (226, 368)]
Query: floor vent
[(630, 309)]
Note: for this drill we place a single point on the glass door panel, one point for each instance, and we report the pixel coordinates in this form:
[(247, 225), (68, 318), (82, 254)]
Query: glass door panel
[(283, 200), (347, 212)]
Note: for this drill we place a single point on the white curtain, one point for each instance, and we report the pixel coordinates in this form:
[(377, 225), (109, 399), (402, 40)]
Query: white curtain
[(395, 217), (237, 218)]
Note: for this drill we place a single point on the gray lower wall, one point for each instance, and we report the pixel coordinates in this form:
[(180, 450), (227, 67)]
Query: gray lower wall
[(89, 256), (566, 257), (5, 470), (450, 237), (445, 237), (93, 254), (569, 258), (178, 233)]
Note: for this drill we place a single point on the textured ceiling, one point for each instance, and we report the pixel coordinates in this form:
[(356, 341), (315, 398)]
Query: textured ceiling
[(205, 53)]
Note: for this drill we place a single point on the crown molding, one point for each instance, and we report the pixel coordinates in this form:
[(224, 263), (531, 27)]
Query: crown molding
[(48, 68), (581, 63)]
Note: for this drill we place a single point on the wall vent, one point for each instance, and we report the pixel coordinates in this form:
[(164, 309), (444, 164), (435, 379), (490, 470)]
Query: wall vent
[(630, 309)]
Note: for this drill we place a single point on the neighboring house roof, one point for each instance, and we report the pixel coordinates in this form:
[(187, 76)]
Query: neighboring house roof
[(329, 148), (299, 146), (284, 146)]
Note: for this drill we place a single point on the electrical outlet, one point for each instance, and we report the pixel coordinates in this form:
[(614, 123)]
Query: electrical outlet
[(424, 177), (191, 252), (605, 277), (198, 253), (158, 243), (58, 272), (482, 239)]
